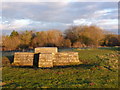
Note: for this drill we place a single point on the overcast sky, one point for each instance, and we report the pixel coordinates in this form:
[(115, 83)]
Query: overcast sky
[(58, 15)]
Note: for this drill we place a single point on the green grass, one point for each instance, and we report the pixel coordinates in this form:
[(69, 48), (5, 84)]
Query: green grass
[(91, 55), (91, 74)]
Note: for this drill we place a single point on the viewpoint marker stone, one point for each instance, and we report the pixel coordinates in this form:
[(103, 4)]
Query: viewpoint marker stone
[(46, 57)]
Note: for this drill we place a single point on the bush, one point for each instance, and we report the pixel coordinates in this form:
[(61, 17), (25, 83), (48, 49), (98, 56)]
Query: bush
[(78, 44), (5, 61)]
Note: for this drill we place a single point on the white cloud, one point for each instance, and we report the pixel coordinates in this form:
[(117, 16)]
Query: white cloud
[(27, 24), (82, 22), (20, 23), (60, 0), (104, 12), (108, 22), (69, 24), (15, 24), (58, 15)]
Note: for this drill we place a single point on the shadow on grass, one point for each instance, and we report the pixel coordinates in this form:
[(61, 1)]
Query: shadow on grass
[(11, 58), (15, 85), (22, 66), (85, 66), (111, 48)]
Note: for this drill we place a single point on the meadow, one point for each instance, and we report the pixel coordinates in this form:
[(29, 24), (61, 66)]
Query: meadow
[(99, 69)]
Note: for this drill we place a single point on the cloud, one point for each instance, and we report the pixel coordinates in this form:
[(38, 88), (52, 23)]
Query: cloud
[(82, 22), (38, 11), (104, 12), (108, 21), (108, 24), (60, 1), (20, 23), (103, 23), (27, 24), (59, 15), (53, 12), (16, 24)]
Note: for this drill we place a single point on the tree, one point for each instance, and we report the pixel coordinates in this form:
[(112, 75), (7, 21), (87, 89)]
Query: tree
[(77, 44), (73, 33), (66, 43), (14, 33), (11, 43), (40, 39), (54, 37), (88, 35), (49, 38), (26, 39), (111, 40)]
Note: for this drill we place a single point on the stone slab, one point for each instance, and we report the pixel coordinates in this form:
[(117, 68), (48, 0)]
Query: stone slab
[(65, 58), (46, 60), (46, 50), (23, 58)]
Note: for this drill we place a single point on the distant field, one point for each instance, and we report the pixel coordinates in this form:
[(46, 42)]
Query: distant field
[(95, 72)]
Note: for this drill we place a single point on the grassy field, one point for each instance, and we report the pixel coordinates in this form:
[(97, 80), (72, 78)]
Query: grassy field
[(99, 70)]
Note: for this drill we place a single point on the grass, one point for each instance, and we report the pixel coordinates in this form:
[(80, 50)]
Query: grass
[(91, 74)]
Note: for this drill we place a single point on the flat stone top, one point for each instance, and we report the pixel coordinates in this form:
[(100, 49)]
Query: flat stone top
[(47, 53), (24, 53), (46, 50), (46, 47), (67, 52)]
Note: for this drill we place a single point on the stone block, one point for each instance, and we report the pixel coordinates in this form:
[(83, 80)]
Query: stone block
[(46, 50), (65, 58), (46, 57), (23, 58), (46, 60)]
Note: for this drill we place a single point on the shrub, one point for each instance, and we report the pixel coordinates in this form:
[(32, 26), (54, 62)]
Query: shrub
[(5, 61), (78, 44)]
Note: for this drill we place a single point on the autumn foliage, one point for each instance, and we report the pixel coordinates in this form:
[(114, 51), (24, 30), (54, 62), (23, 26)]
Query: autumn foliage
[(74, 36)]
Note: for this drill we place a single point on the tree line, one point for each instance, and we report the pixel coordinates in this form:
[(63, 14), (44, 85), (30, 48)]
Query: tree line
[(74, 36)]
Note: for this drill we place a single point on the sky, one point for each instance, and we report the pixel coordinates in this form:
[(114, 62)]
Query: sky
[(40, 16)]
